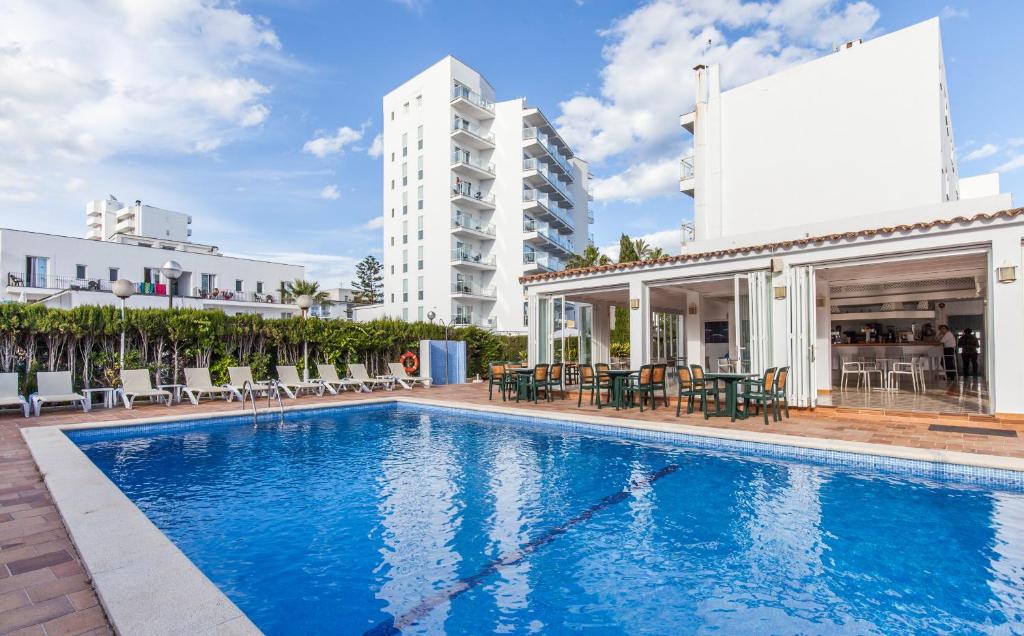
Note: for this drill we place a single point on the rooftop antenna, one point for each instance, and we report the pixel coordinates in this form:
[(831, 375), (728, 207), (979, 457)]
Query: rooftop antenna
[(704, 54), (112, 197)]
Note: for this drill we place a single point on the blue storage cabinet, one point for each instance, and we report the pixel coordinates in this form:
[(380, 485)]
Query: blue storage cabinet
[(432, 361)]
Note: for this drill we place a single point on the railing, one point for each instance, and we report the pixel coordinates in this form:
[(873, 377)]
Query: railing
[(474, 224), (465, 158), (237, 296), (533, 225), (461, 92), (546, 202), (545, 141), (539, 166), (590, 217), (472, 257), (543, 261), (473, 129), (686, 168), (463, 189), (462, 319), (472, 289)]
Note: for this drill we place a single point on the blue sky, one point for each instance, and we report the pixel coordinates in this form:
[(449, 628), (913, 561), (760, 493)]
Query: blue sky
[(215, 108)]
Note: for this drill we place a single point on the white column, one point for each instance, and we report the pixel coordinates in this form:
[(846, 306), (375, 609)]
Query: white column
[(602, 330), (639, 325), (1005, 339), (694, 334), (823, 348), (532, 330)]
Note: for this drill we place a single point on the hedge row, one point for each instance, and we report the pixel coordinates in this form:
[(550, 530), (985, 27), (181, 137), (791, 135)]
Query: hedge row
[(86, 340)]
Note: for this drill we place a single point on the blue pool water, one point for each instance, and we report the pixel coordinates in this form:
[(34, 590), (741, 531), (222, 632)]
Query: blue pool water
[(400, 518)]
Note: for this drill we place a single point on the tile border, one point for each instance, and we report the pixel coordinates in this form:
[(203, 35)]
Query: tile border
[(128, 557)]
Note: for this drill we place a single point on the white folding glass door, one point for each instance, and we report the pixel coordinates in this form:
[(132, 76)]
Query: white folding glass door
[(802, 332)]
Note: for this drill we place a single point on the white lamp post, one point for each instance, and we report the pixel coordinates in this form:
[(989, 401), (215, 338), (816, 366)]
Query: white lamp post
[(171, 271), (123, 289), (305, 301)]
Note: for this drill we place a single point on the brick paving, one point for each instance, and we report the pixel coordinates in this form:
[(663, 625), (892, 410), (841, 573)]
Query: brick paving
[(45, 590)]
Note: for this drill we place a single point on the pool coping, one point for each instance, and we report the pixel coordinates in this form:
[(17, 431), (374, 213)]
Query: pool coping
[(128, 557)]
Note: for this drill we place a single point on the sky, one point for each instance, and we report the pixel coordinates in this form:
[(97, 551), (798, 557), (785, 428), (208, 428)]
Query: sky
[(261, 118)]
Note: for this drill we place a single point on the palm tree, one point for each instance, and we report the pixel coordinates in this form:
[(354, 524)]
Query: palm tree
[(311, 288), (642, 249), (589, 257), (655, 253)]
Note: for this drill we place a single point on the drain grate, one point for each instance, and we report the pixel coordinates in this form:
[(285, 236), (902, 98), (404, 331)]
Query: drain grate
[(997, 432)]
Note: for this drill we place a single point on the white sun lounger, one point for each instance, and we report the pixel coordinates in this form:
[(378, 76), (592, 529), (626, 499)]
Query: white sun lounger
[(198, 384), (135, 383), (329, 378), (358, 372), (55, 388), (9, 395), (407, 381), (292, 384), (239, 376)]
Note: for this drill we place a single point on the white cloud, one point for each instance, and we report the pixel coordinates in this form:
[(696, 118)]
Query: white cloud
[(980, 153), (950, 12), (74, 184), (647, 80), (1014, 163), (328, 270), (325, 145), (667, 240), (640, 181), (376, 148), (416, 6), (375, 223), (330, 192)]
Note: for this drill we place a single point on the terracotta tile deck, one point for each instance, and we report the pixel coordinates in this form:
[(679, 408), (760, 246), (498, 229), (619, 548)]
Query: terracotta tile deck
[(44, 589)]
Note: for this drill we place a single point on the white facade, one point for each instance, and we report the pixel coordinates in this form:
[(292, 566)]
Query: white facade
[(339, 305), (862, 130), (139, 224), (476, 193), (64, 271)]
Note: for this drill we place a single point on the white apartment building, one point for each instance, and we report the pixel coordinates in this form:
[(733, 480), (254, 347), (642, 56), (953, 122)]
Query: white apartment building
[(133, 242), (831, 227), (476, 194), (338, 306)]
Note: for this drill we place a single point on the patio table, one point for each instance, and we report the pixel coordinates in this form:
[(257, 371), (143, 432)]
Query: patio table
[(731, 380), (619, 377), (522, 381)]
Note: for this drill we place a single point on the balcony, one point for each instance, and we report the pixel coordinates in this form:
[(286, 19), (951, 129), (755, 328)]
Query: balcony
[(537, 175), (465, 196), (235, 296), (126, 226), (687, 180), (536, 142), (125, 213), (472, 259), (541, 236), (466, 133), (462, 289), (540, 205), (471, 103), (590, 217), (94, 234), (463, 225), (538, 263), (470, 167)]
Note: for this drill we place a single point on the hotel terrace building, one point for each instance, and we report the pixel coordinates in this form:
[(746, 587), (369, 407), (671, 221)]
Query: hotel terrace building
[(833, 234)]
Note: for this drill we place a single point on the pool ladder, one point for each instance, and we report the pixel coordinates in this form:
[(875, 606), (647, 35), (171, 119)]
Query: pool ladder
[(273, 392)]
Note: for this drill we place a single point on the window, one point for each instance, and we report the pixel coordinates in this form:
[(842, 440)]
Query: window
[(419, 198), (36, 271), (405, 144), (152, 275), (419, 138), (392, 270), (392, 241), (79, 271), (405, 314), (419, 167), (405, 290), (405, 261), (392, 115), (419, 257), (238, 284), (112, 274), (208, 282), (419, 288), (392, 184), (419, 313), (405, 202), (392, 156), (392, 212), (405, 232), (405, 173), (419, 101), (392, 298), (419, 228), (405, 108), (259, 287)]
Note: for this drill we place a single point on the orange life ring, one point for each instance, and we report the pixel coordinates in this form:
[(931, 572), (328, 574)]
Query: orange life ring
[(410, 361)]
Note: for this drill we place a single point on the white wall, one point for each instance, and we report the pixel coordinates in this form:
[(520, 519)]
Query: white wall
[(982, 185)]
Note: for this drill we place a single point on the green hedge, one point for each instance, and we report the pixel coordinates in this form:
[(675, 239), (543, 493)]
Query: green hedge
[(86, 341)]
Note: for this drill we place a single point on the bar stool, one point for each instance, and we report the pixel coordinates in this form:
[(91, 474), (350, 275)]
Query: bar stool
[(903, 368), (855, 369), (870, 368)]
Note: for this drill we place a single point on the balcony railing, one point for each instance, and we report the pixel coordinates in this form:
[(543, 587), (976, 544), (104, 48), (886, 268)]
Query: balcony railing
[(469, 256), (530, 196), (545, 140), (474, 224), (542, 261), (461, 92), (473, 129), (550, 177), (686, 168), (463, 189), (472, 289), (237, 296), (467, 159), (543, 229)]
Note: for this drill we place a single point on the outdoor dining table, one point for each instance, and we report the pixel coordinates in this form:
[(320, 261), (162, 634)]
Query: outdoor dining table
[(619, 377), (731, 381), (522, 381)]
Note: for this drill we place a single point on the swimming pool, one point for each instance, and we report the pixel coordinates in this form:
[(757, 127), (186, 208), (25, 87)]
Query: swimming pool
[(385, 518)]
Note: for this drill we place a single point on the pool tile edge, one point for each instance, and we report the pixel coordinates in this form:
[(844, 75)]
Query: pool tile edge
[(145, 584)]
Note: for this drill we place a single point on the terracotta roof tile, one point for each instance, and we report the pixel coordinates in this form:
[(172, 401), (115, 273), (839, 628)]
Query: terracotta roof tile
[(769, 247)]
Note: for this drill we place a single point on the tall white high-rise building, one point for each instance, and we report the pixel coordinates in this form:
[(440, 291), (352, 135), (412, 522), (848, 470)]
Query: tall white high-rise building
[(476, 194)]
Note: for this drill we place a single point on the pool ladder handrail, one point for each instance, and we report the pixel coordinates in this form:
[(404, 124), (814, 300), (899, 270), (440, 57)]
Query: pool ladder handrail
[(273, 391)]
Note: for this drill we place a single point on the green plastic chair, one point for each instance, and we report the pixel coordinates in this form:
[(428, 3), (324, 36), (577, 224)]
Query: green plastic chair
[(556, 380), (689, 390), (499, 377), (761, 394), (642, 386)]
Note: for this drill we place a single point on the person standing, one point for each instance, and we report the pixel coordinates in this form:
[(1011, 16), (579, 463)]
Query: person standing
[(948, 341), (969, 353)]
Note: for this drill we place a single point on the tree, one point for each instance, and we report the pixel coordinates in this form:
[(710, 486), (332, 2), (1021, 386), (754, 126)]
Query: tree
[(369, 282), (589, 257), (656, 253), (311, 288), (627, 250)]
